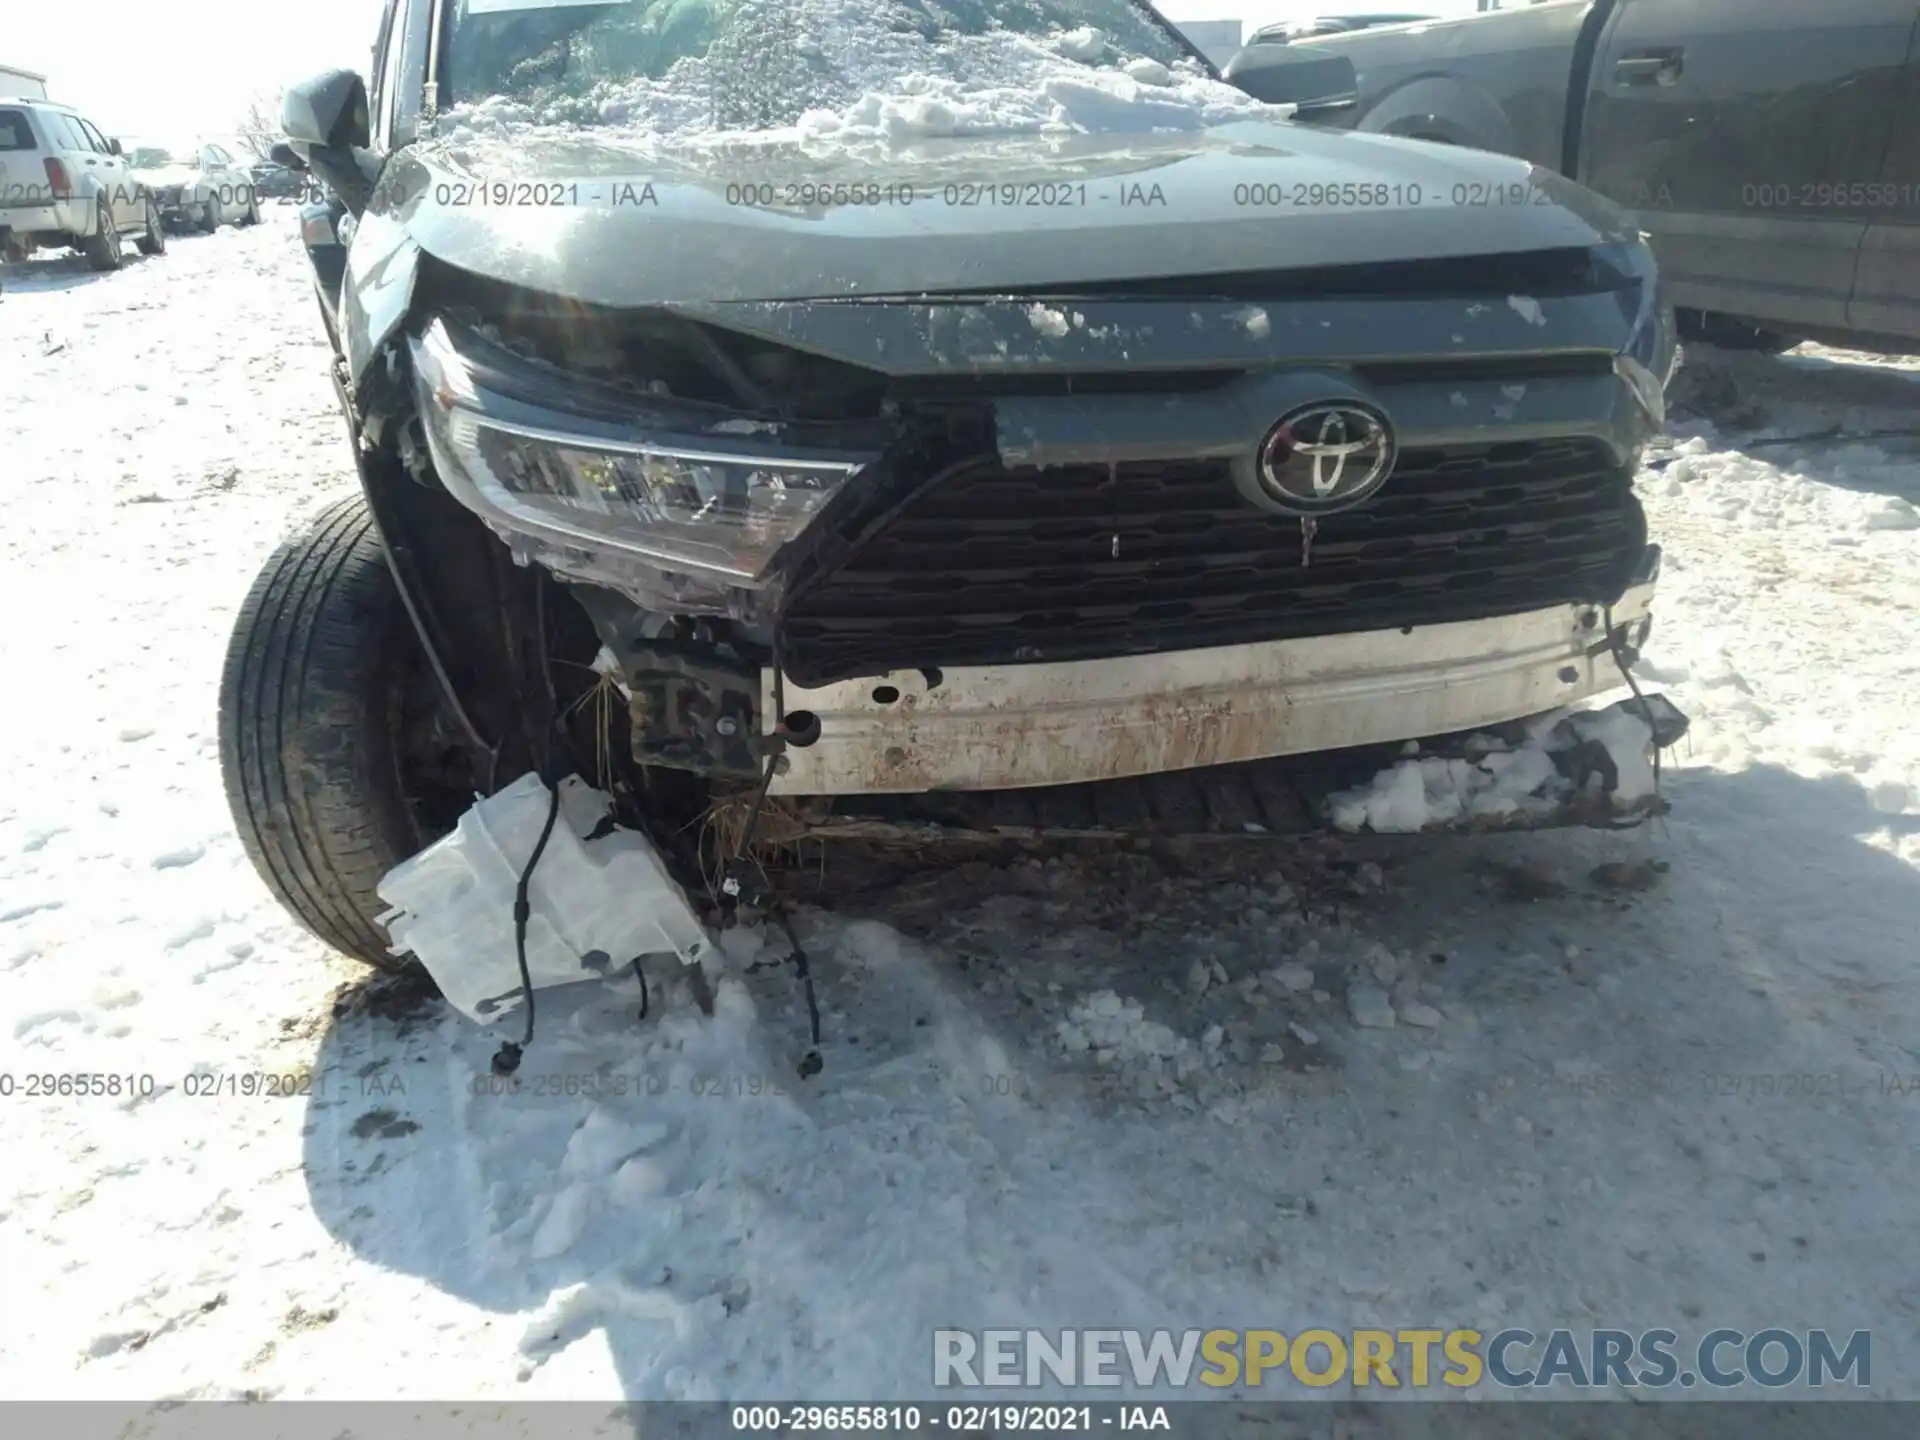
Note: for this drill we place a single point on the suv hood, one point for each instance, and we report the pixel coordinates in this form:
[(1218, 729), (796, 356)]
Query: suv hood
[(588, 219), (166, 175)]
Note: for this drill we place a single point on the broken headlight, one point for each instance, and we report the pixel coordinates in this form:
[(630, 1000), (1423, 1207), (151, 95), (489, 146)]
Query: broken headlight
[(1648, 358), (682, 520)]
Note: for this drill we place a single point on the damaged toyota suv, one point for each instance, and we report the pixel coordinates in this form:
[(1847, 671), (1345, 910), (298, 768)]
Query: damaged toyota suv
[(889, 417)]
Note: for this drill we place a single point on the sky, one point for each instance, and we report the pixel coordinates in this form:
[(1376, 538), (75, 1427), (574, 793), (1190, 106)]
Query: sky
[(184, 69), (187, 69)]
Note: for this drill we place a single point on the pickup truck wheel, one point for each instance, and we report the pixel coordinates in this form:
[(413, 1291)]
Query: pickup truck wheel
[(1726, 333), (330, 772), (102, 248), (153, 240)]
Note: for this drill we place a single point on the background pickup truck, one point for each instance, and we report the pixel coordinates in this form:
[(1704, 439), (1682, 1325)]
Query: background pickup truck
[(1770, 147)]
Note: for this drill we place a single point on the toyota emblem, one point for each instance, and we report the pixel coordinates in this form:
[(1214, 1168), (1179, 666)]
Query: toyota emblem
[(1326, 457)]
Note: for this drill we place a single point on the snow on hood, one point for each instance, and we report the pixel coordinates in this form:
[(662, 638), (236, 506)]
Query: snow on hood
[(168, 175), (865, 78)]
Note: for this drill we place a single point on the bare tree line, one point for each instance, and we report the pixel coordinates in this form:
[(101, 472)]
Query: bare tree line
[(258, 128)]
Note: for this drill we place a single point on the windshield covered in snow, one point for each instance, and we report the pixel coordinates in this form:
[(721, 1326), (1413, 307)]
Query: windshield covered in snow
[(915, 66)]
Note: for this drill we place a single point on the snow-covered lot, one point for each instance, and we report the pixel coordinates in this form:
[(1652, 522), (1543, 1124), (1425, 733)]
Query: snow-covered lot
[(1116, 1091)]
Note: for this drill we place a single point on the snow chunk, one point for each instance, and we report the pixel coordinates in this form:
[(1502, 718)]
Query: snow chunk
[(1394, 803), (1256, 320), (608, 669), (1047, 320), (1527, 308), (1414, 794), (742, 944), (1369, 1007), (601, 1141), (565, 1223), (1117, 1029), (1890, 797), (1893, 514), (1085, 44), (639, 1180), (1292, 978), (1425, 1016)]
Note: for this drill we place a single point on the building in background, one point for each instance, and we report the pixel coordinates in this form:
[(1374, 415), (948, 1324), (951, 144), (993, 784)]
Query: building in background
[(1218, 40), (18, 84)]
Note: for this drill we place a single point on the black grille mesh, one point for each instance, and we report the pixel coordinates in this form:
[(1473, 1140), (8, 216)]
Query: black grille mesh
[(992, 565)]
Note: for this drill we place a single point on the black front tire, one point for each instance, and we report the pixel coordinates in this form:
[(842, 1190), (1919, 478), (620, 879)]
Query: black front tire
[(311, 746), (153, 240), (102, 248), (209, 219)]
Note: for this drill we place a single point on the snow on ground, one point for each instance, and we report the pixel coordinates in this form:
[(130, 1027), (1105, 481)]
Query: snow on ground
[(1407, 1082)]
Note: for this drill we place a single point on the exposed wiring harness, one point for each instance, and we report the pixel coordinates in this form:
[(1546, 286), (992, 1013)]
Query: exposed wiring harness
[(1646, 710), (745, 878), (507, 1059)]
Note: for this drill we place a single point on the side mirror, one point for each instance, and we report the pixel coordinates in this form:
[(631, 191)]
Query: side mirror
[(329, 112), (1287, 75), (328, 130), (114, 146), (284, 155)]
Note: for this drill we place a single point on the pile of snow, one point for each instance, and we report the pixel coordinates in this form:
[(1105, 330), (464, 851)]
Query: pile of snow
[(1839, 488), (1152, 1057), (1114, 1029), (1409, 796), (1820, 520), (849, 71), (1504, 781)]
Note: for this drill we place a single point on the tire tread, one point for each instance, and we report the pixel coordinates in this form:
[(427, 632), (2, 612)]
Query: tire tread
[(305, 754)]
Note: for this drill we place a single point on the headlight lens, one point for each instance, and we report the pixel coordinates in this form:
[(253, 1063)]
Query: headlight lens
[(706, 510), (684, 522)]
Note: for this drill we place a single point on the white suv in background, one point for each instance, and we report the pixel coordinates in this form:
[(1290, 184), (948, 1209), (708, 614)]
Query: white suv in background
[(64, 183), (202, 187)]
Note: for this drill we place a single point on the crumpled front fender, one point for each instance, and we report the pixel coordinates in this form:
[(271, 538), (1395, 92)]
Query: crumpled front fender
[(383, 262)]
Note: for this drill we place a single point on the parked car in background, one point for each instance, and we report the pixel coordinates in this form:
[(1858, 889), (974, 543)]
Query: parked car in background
[(277, 182), (63, 183), (1769, 147), (202, 187)]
